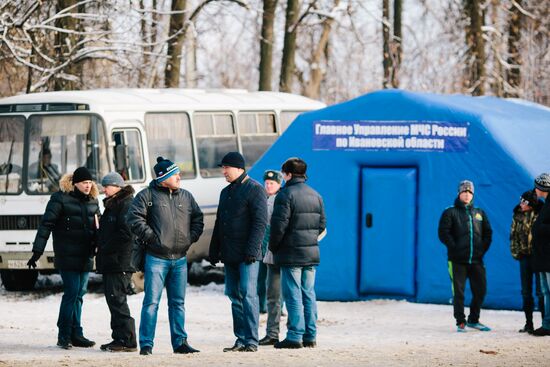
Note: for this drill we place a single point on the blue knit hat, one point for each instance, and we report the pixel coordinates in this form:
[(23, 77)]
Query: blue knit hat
[(164, 169)]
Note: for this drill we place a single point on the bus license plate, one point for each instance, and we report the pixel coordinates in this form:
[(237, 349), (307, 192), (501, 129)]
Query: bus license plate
[(17, 264)]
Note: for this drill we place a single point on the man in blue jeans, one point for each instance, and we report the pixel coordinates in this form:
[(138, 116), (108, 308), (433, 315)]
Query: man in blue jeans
[(236, 241), (297, 221), (167, 220), (541, 249)]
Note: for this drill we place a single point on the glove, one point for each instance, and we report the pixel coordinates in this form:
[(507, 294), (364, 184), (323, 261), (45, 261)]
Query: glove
[(249, 259), (34, 258)]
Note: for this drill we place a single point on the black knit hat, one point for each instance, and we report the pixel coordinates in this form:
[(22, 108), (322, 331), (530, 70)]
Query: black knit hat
[(164, 169), (531, 198), (542, 182), (233, 159), (81, 174)]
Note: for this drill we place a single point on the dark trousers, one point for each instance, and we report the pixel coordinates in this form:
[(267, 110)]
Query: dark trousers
[(478, 284), (117, 286), (75, 284), (527, 274), (262, 287), (273, 301)]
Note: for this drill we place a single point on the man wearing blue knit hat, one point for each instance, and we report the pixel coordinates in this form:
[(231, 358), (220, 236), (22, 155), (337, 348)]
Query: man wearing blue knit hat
[(167, 220)]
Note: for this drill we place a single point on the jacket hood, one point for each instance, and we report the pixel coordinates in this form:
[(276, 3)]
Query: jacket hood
[(66, 185), (125, 192)]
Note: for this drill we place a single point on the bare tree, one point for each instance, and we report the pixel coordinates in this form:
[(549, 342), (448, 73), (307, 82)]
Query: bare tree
[(474, 80), (397, 39), (387, 60), (513, 74), (266, 44), (175, 44), (288, 62)]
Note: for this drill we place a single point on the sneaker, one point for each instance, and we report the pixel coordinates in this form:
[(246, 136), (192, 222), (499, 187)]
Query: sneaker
[(146, 351), (82, 342), (287, 344), (117, 346), (249, 348), (237, 347), (185, 348), (541, 332), (461, 328), (479, 326), (310, 344), (64, 344), (266, 340), (528, 328)]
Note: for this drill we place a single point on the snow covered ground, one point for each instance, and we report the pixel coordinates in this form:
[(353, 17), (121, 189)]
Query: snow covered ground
[(373, 333)]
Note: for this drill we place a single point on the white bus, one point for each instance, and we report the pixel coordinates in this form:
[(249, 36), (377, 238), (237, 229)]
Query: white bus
[(44, 135)]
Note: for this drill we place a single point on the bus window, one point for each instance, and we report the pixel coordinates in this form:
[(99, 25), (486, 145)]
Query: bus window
[(59, 144), (128, 155), (215, 136), (169, 135), (258, 131), (12, 134), (286, 118)]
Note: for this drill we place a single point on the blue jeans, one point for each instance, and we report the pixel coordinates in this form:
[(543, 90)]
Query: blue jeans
[(75, 284), (158, 274), (545, 287), (240, 286), (299, 295)]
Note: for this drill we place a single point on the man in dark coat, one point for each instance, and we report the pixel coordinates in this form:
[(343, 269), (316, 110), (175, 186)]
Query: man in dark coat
[(541, 249), (466, 232), (71, 215), (236, 241), (167, 220), (297, 221), (113, 261)]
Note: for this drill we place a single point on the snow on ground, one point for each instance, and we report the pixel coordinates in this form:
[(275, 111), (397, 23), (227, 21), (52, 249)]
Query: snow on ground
[(373, 333)]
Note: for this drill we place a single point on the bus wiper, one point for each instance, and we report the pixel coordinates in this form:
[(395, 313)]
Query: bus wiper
[(9, 166)]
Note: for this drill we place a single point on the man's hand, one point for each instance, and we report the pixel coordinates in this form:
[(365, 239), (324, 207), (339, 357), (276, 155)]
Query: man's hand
[(34, 258), (249, 259)]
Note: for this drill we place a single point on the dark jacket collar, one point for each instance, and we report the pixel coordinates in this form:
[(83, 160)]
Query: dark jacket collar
[(125, 192), (80, 195), (154, 185), (460, 204), (240, 179), (295, 180)]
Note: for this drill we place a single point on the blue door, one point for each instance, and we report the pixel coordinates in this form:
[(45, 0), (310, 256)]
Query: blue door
[(387, 253)]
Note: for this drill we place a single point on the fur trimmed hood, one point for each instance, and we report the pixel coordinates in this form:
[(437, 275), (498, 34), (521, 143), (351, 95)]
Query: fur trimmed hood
[(66, 185), (119, 197)]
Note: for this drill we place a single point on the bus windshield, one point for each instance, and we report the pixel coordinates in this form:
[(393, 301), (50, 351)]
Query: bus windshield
[(12, 135), (59, 144)]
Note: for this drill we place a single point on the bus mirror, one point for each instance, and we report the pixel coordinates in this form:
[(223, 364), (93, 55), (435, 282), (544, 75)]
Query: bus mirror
[(121, 162)]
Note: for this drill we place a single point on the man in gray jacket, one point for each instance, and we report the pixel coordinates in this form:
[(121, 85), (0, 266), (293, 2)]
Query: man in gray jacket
[(167, 220)]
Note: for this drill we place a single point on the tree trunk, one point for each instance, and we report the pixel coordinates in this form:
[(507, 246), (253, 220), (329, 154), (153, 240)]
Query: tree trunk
[(386, 52), (313, 87), (175, 45), (66, 46), (289, 48), (190, 61), (266, 44), (513, 75), (397, 41), (474, 81)]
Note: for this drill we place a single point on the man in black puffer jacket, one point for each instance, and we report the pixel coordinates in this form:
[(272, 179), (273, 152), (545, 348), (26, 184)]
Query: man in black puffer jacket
[(237, 239), (467, 233), (71, 215), (113, 261), (167, 220), (297, 221)]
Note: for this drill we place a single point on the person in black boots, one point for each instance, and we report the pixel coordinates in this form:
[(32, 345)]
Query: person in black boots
[(113, 261), (297, 221), (524, 216), (466, 232), (167, 220), (71, 215), (541, 249)]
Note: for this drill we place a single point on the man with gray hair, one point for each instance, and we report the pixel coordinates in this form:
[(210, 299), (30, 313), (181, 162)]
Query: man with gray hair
[(466, 232)]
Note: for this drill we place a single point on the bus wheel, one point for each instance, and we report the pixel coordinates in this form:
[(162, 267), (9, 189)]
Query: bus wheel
[(19, 280)]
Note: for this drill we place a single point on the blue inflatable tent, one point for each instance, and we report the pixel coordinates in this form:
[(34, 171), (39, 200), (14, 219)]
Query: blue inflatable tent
[(388, 163)]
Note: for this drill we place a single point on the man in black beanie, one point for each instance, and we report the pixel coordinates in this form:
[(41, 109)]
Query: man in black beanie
[(73, 246), (466, 232), (167, 220), (236, 241)]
